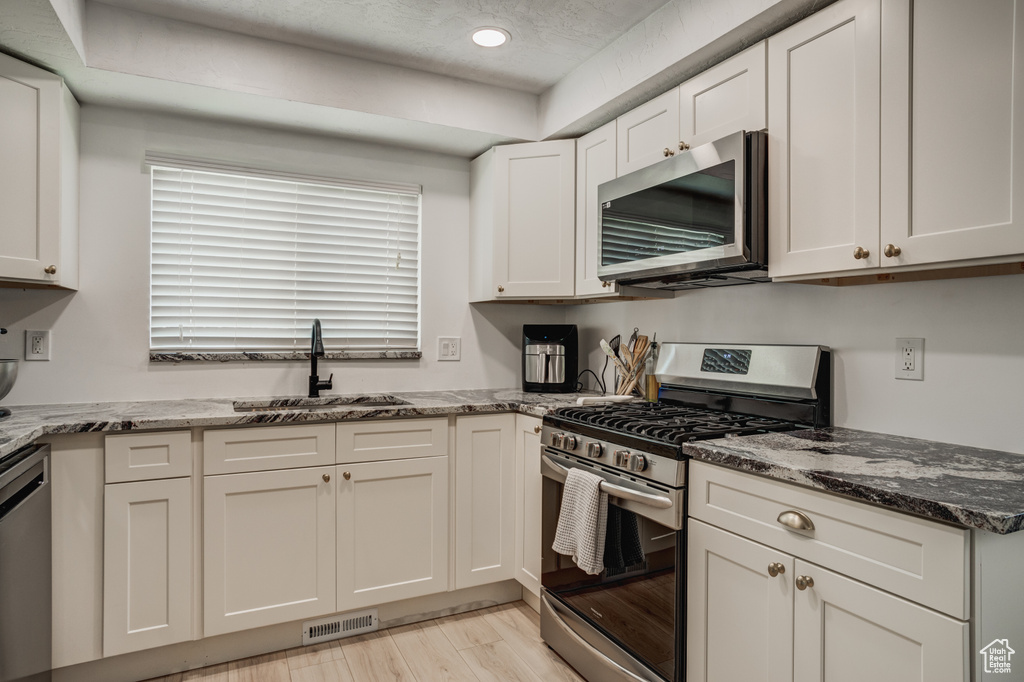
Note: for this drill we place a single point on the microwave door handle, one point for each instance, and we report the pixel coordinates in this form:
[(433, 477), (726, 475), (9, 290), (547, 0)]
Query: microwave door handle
[(560, 472)]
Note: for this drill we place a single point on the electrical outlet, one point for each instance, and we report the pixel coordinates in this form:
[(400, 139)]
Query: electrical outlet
[(910, 359), (37, 345), (449, 348)]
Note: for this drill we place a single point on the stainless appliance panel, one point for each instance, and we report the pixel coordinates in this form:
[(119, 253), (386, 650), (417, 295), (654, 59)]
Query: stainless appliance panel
[(692, 205), (586, 649), (25, 601), (544, 367), (768, 370)]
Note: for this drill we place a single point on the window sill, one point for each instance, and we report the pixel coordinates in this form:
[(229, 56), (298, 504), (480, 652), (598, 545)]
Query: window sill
[(279, 356)]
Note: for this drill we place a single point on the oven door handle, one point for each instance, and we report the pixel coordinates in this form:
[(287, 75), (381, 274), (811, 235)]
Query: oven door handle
[(560, 472)]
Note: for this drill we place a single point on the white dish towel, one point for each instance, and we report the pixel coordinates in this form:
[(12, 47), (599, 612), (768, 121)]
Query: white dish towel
[(583, 521)]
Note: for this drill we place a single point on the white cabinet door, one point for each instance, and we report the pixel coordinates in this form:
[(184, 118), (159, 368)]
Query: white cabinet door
[(392, 530), (39, 176), (268, 548), (965, 106), (523, 205), (528, 489), (648, 133), (485, 505), (728, 97), (739, 618), (845, 631), (823, 143), (595, 164), (147, 564)]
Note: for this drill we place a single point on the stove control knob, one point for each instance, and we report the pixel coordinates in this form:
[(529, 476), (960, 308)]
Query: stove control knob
[(637, 462), (594, 450), (557, 439), (570, 442), (622, 458)]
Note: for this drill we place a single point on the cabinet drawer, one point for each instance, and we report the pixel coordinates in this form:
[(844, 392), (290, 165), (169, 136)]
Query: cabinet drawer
[(147, 456), (377, 441), (264, 448), (921, 560)]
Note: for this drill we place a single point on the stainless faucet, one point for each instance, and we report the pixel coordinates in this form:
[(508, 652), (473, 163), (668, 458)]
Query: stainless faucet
[(317, 351)]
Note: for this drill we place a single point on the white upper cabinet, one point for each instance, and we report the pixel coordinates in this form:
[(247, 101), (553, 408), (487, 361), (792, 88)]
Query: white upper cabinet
[(728, 97), (823, 144), (38, 178), (955, 72), (595, 164), (522, 231), (648, 133), (892, 133)]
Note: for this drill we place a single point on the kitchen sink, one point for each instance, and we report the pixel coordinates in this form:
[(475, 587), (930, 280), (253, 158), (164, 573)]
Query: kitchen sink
[(317, 404)]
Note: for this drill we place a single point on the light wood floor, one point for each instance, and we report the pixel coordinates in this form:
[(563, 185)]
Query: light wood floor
[(498, 644)]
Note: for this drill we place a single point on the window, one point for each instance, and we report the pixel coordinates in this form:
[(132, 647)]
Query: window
[(245, 260)]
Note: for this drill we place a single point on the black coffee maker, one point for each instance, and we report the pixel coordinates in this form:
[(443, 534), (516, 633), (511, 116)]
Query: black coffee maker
[(550, 358)]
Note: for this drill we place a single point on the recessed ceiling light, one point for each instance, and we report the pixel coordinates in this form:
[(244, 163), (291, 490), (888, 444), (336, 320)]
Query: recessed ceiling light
[(490, 37)]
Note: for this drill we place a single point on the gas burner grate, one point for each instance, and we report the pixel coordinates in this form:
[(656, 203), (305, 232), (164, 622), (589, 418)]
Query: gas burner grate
[(668, 423)]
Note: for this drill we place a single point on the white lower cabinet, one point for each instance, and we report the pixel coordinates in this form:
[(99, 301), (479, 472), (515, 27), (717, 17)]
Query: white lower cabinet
[(147, 564), (392, 530), (269, 546), (740, 627), (758, 612), (485, 504), (846, 631), (529, 484)]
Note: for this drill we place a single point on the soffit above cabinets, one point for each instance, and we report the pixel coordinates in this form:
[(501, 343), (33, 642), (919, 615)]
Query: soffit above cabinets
[(399, 72)]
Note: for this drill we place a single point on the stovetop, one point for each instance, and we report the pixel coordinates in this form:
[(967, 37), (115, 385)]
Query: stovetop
[(660, 428)]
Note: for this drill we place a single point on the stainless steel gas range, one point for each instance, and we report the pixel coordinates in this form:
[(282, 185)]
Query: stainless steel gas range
[(627, 622)]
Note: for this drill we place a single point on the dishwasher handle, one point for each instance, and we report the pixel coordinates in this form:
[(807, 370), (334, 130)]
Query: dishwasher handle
[(26, 473)]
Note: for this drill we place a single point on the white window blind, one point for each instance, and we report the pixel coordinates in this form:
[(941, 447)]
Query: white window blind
[(245, 261)]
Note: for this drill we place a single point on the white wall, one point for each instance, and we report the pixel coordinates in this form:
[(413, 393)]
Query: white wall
[(974, 347), (100, 336)]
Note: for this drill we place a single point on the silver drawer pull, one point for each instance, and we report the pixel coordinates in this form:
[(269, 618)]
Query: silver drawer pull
[(795, 520)]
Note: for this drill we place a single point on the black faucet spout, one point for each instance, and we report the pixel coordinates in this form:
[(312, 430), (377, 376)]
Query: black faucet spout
[(317, 351)]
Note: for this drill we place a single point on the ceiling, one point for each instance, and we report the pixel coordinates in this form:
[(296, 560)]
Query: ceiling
[(394, 72), (550, 38)]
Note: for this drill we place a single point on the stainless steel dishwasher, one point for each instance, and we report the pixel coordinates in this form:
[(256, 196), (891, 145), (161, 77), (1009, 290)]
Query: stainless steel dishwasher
[(25, 631)]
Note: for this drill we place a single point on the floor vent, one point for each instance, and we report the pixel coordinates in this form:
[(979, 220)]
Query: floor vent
[(337, 627)]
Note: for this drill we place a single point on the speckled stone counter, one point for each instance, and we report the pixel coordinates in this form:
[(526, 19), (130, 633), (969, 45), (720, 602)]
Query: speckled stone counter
[(29, 422), (967, 486)]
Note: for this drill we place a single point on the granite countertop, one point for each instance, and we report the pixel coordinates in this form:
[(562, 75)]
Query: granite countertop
[(30, 422), (962, 485), (966, 486)]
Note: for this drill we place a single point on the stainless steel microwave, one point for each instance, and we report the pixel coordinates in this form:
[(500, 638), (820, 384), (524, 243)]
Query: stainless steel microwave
[(698, 219)]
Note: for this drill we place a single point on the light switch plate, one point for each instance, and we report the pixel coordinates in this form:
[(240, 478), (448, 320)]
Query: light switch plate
[(449, 348), (37, 345)]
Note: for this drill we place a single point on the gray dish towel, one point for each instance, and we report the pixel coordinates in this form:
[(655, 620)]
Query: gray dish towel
[(583, 521)]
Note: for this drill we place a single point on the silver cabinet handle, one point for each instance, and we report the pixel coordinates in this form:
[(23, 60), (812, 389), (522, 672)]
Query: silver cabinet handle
[(796, 520)]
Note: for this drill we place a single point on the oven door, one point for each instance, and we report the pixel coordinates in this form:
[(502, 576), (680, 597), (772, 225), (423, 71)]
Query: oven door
[(625, 623)]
